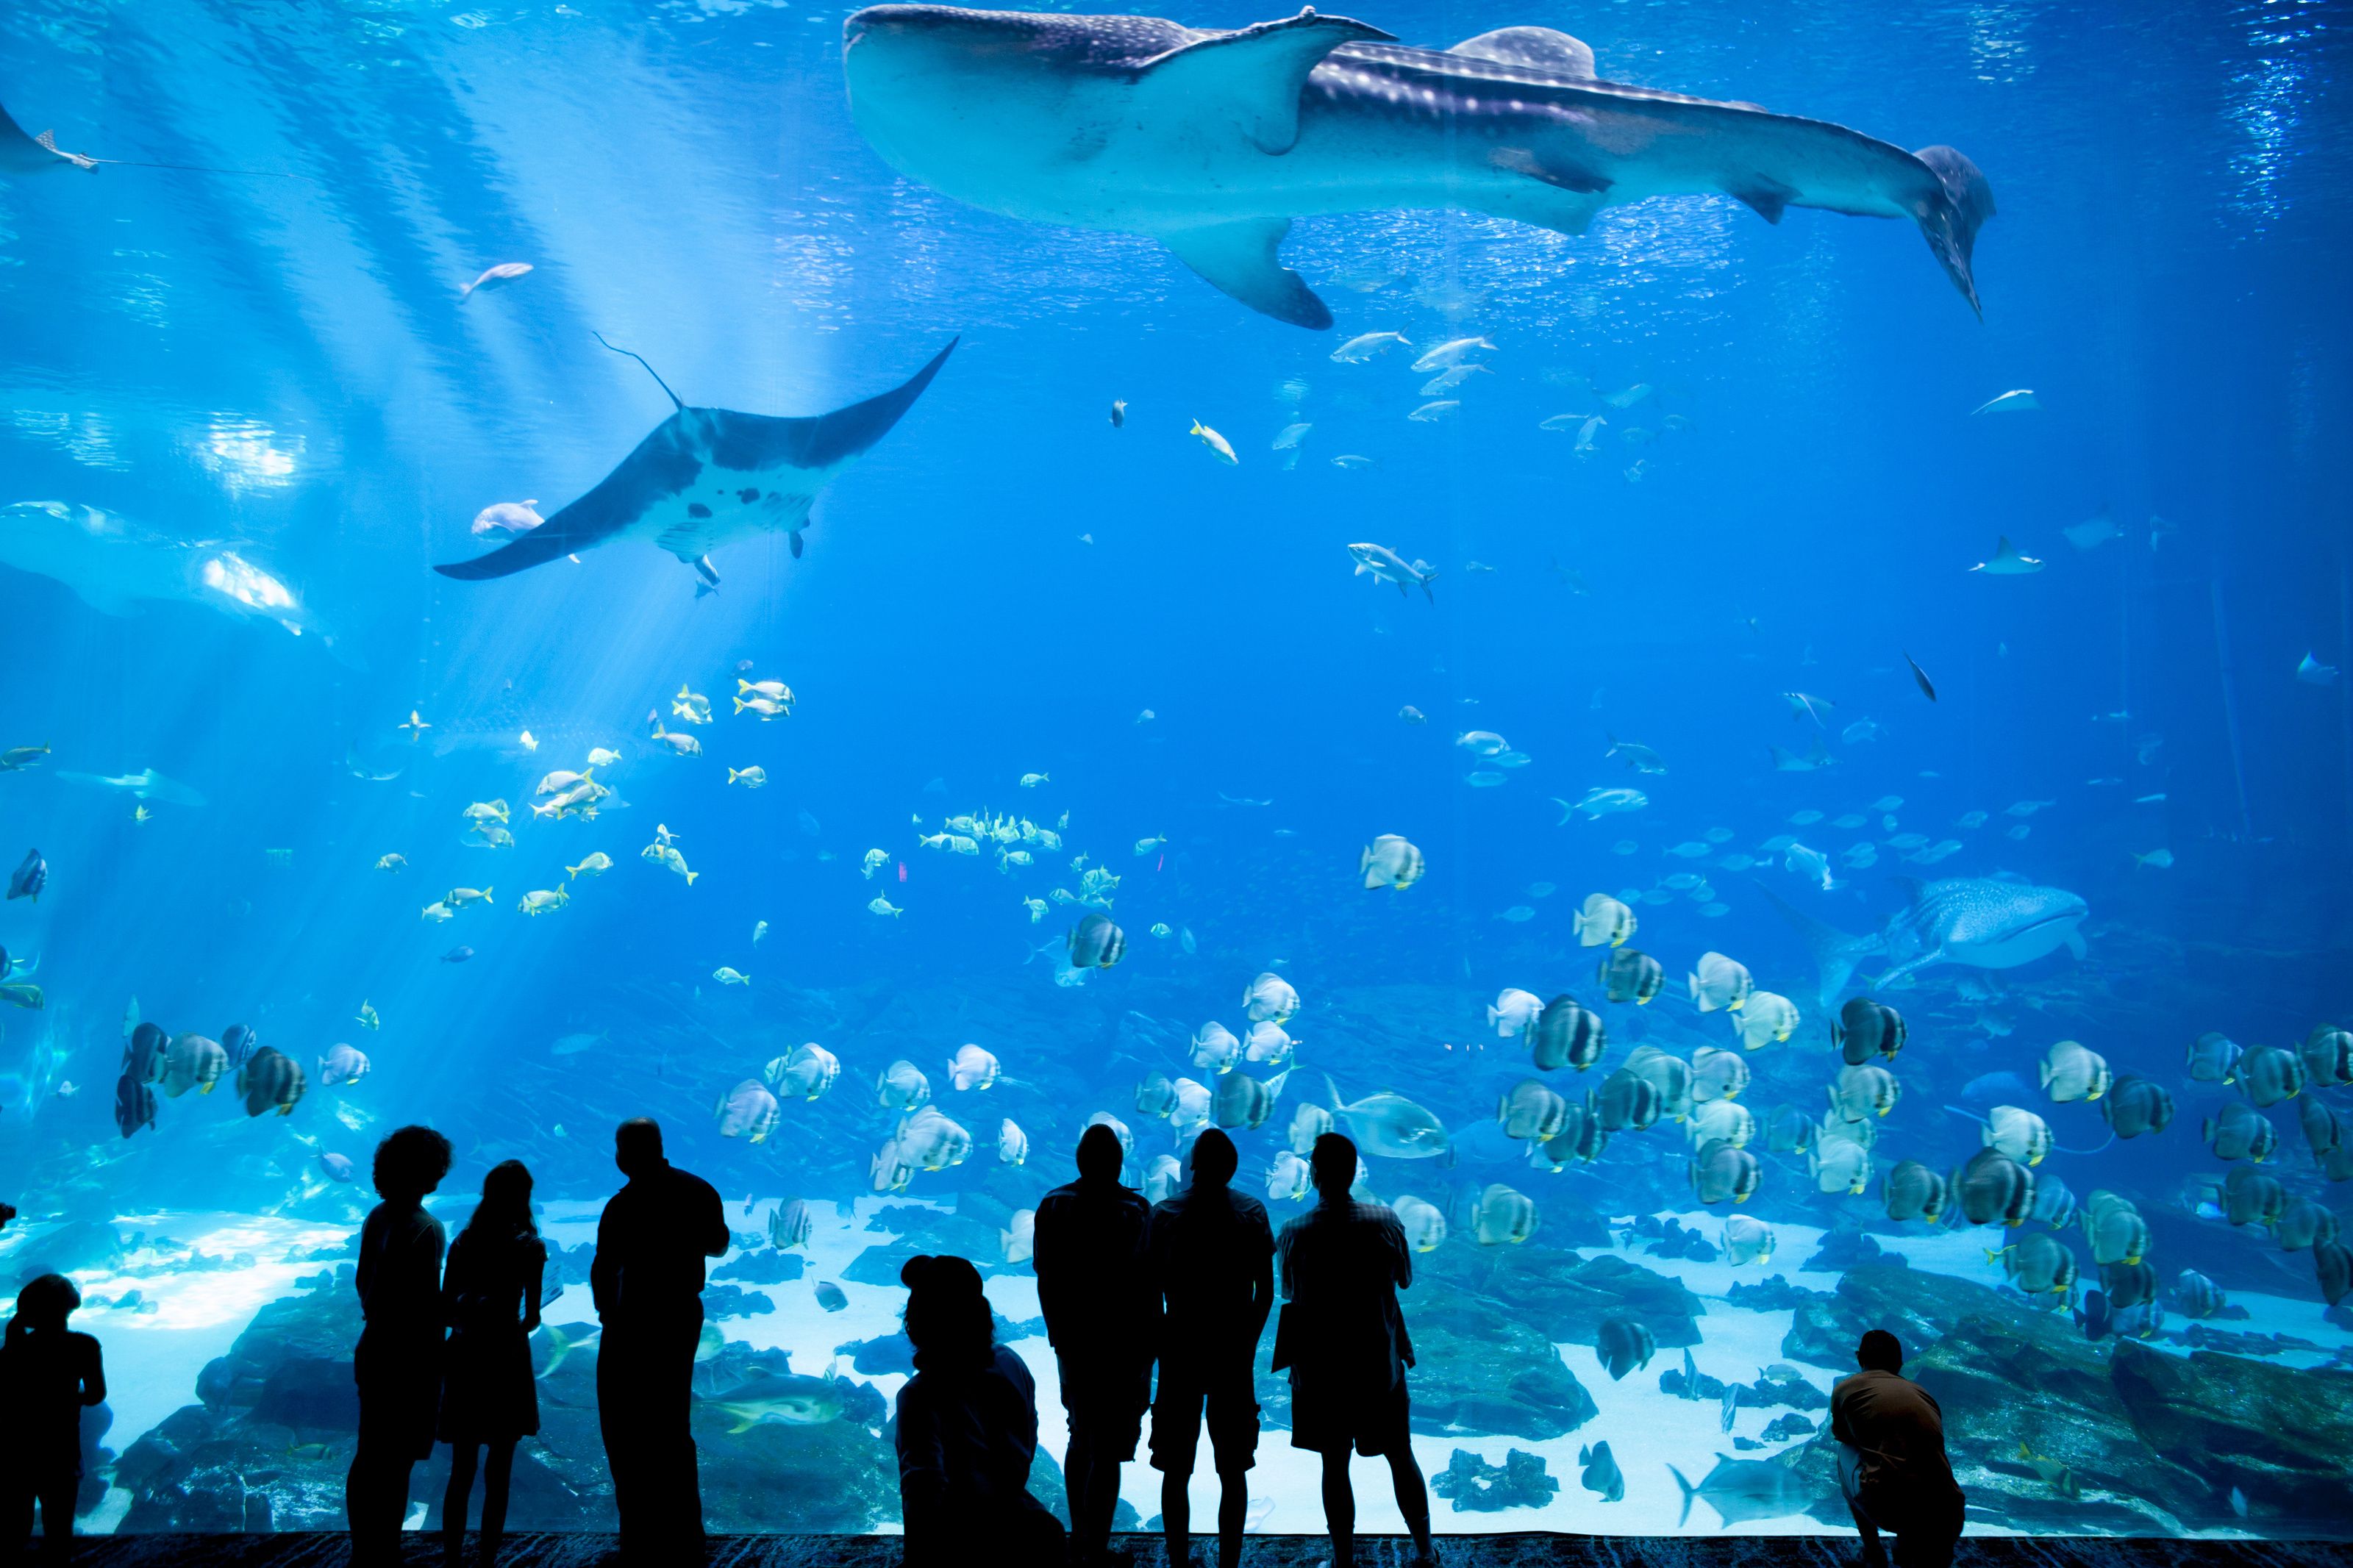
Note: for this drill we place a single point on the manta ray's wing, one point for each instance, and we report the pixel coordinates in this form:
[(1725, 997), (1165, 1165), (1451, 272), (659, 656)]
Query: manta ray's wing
[(671, 460), (22, 153)]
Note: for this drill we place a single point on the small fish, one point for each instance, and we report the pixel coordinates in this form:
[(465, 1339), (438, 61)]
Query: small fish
[(753, 777), (729, 976), (2019, 401), (367, 1019), (883, 906), (458, 955), (1920, 678), (2161, 859), (498, 277), (1357, 350), (1216, 443), (1118, 414)]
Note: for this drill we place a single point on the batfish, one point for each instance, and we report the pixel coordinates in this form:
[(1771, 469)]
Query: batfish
[(709, 476), (1212, 142)]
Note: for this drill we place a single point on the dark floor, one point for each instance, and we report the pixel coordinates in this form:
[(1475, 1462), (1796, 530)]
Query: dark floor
[(1526, 1550)]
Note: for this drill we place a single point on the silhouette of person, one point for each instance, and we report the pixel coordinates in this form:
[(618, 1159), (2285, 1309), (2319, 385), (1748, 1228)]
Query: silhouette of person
[(967, 1430), (1344, 1339), (398, 1363), (1099, 1306), (1211, 1255), (47, 1373), (648, 1285), (489, 1298), (1892, 1465)]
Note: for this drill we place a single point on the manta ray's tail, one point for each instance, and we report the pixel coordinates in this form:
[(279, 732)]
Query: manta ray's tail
[(1950, 222)]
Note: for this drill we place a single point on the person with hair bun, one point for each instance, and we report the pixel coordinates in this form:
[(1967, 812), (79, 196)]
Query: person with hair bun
[(490, 1294), (398, 1363), (967, 1430)]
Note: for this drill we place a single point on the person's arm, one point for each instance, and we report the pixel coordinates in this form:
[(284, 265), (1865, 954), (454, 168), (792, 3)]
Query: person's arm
[(536, 1275), (712, 1227), (923, 1462), (605, 1269), (1282, 1247), (363, 1275), (1400, 1253), (93, 1376), (1046, 1262), (1262, 1246), (1841, 1432)]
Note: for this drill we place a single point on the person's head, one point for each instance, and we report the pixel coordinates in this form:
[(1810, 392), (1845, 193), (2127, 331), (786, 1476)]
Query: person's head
[(1100, 1155), (410, 1162), (638, 1146), (1879, 1351), (947, 1317), (505, 1208), (44, 1303), (1213, 1159), (1333, 1166)]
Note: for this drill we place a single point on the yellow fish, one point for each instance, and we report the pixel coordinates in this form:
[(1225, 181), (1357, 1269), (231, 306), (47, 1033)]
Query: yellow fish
[(1214, 442), (392, 863), (752, 777), (662, 855), (539, 900), (596, 865), (367, 1019)]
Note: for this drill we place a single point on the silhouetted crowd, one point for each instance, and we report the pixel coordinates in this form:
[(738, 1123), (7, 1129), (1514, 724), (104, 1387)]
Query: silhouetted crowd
[(1181, 1288)]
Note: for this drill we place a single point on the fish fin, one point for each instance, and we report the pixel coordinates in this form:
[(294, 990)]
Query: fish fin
[(1835, 953), (1250, 79), (1951, 219), (1536, 49), (2076, 944), (1239, 260), (1689, 1491)]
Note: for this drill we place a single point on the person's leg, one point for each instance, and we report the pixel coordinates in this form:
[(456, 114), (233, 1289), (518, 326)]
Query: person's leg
[(1340, 1507), (1412, 1495), (624, 1430), (1177, 1515), (1849, 1479), (1078, 1486), (497, 1477), (454, 1498), (16, 1516), (1233, 1515), (685, 1471), (56, 1518)]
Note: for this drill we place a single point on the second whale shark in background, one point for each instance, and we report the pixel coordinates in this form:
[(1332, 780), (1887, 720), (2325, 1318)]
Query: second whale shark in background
[(1983, 923), (1213, 141), (709, 476)]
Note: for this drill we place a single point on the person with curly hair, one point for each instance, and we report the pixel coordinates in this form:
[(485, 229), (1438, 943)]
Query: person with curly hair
[(47, 1374), (398, 1363)]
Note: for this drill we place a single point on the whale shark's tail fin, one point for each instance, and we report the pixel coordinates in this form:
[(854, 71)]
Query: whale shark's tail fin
[(1835, 953), (1950, 225)]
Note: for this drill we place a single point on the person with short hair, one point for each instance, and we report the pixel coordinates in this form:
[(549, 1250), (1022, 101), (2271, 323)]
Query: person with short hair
[(1892, 1468), (397, 1365), (1211, 1254), (1343, 1337), (48, 1373), (967, 1430), (1100, 1312), (490, 1399), (647, 1281)]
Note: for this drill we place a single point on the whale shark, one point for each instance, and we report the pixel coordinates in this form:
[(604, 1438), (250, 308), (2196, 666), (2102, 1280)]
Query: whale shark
[(1983, 923), (1213, 141), (114, 566), (710, 476)]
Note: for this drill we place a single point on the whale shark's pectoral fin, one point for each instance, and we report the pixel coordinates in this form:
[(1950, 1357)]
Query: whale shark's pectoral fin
[(1238, 258), (1251, 77)]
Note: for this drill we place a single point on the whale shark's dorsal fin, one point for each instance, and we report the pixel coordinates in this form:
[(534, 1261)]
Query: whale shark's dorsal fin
[(1252, 76), (1535, 48), (1238, 258)]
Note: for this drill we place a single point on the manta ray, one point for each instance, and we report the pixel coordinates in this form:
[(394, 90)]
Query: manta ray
[(709, 476), (1213, 141)]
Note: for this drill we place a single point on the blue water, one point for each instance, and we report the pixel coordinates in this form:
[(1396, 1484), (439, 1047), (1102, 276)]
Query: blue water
[(1007, 584)]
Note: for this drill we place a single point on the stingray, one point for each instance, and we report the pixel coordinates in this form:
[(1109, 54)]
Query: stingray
[(710, 476), (21, 154)]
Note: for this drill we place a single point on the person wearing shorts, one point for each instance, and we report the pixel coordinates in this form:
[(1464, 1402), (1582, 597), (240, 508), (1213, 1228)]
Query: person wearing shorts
[(1211, 1256), (1343, 1337)]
